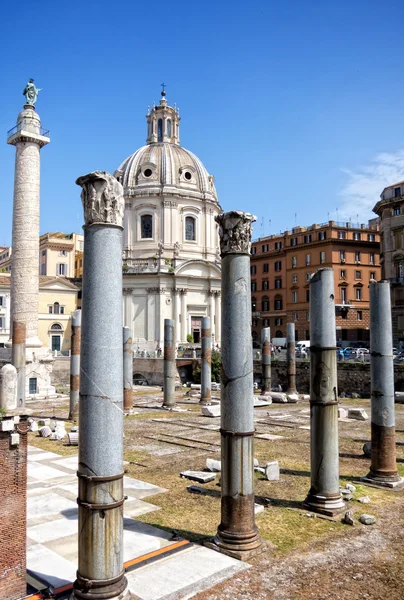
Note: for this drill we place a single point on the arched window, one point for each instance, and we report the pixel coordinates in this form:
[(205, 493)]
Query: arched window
[(56, 327), (254, 336), (190, 228), (265, 304), (146, 226), (168, 127), (279, 333), (160, 130), (56, 308), (254, 304)]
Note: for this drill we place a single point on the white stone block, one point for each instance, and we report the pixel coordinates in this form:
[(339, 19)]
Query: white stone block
[(15, 439), (45, 431), (213, 465), (292, 398), (342, 413), (212, 410), (7, 425), (272, 471), (278, 397), (262, 400), (199, 476), (258, 508), (8, 387), (357, 413)]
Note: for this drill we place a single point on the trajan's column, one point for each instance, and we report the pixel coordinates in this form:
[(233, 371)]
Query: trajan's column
[(28, 137)]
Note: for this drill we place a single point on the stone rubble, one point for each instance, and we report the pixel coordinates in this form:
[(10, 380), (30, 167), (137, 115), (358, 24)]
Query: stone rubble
[(211, 410), (349, 518), (364, 500), (357, 413), (272, 472), (45, 431), (213, 465), (199, 476), (367, 449), (367, 519)]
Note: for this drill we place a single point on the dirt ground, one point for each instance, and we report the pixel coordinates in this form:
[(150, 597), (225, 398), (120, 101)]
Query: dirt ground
[(309, 558)]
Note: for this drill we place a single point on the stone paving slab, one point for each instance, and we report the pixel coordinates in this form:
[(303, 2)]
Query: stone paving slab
[(183, 575), (52, 537)]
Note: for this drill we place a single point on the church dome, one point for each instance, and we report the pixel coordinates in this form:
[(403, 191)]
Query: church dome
[(159, 167), (163, 167)]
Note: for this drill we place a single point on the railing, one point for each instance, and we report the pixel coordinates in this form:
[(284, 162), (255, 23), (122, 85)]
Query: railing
[(140, 265), (397, 280), (30, 128)]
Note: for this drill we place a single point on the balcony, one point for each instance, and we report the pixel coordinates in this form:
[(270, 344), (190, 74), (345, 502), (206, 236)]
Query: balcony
[(29, 128), (140, 265)]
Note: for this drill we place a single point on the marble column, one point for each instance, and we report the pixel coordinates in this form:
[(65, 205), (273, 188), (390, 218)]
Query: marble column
[(218, 318), (169, 364), (101, 573), (206, 362), (75, 364), (237, 534), (184, 315), (213, 324), (383, 467), (324, 495), (127, 370), (177, 312), (28, 138)]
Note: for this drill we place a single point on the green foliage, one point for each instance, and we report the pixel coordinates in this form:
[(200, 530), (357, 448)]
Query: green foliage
[(216, 368), (190, 338), (3, 413), (216, 365)]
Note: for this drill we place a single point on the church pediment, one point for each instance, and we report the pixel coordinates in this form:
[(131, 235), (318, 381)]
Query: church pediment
[(198, 268)]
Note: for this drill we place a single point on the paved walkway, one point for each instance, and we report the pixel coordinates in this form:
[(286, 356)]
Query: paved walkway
[(52, 522)]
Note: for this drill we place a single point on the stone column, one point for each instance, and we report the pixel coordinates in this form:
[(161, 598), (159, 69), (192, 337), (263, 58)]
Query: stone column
[(127, 370), (218, 320), (75, 365), (237, 534), (100, 573), (28, 138), (291, 358), (213, 321), (206, 362), (266, 360), (169, 364), (18, 359), (383, 467), (177, 327), (324, 495), (184, 315)]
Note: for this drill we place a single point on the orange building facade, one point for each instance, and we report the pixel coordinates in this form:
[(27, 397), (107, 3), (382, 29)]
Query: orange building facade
[(281, 267)]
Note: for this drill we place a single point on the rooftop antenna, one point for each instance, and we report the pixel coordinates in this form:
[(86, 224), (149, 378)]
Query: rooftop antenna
[(295, 219), (262, 227), (337, 213), (269, 223)]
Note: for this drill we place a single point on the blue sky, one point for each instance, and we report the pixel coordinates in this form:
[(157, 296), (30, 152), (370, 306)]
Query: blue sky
[(295, 106)]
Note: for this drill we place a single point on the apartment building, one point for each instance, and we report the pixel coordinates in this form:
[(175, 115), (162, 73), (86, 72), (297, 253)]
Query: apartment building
[(57, 254), (281, 267), (390, 210)]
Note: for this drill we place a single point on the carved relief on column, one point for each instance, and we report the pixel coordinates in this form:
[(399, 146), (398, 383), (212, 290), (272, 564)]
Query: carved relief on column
[(235, 229), (102, 198)]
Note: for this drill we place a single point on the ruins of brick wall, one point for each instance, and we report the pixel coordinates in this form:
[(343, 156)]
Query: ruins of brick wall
[(61, 372), (13, 494)]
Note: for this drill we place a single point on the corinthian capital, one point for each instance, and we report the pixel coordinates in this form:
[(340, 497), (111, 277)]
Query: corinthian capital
[(102, 197), (235, 229)]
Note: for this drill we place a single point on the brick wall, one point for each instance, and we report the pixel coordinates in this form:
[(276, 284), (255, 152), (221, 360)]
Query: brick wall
[(13, 524)]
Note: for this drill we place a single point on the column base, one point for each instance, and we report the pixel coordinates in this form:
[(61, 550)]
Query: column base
[(329, 506), (108, 589), (241, 547), (383, 483)]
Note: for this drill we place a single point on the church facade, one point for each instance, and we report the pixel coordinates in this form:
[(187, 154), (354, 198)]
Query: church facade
[(171, 261)]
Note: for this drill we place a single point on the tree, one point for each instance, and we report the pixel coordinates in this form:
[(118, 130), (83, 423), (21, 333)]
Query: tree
[(216, 366)]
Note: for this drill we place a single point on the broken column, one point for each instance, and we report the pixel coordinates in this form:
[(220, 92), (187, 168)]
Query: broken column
[(324, 495), (206, 362), (127, 370), (18, 359), (237, 534), (100, 573), (8, 387), (383, 467), (169, 364), (75, 365), (291, 360), (266, 360)]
